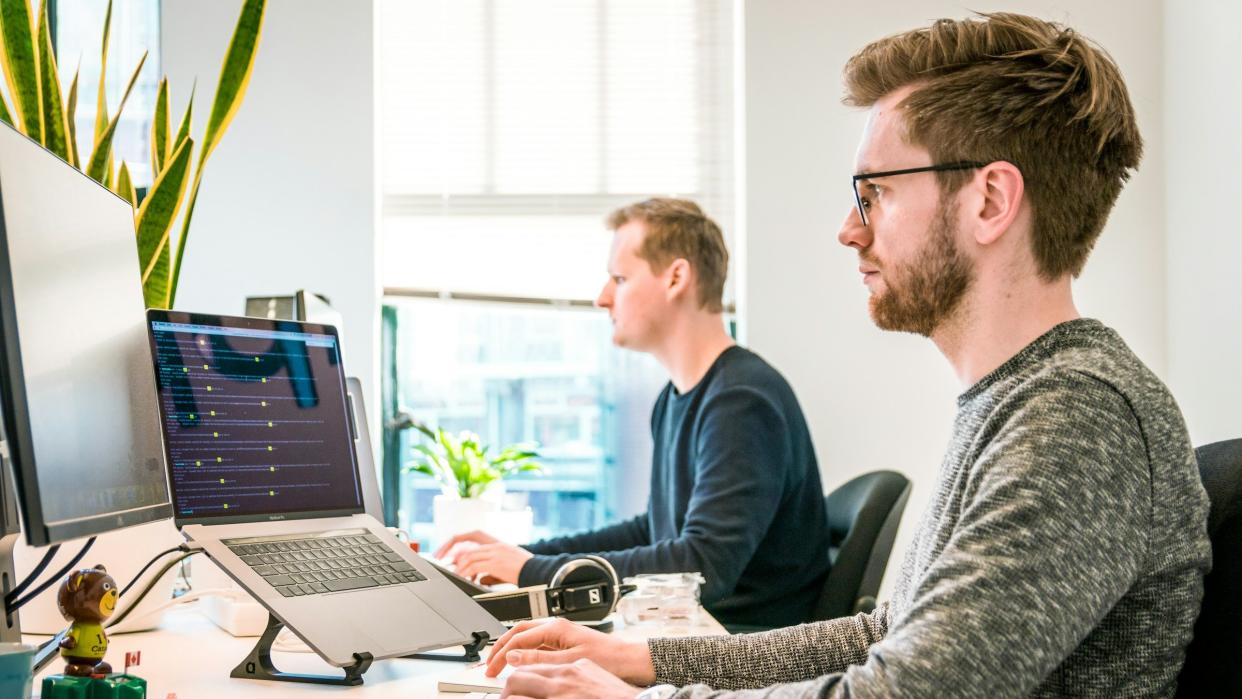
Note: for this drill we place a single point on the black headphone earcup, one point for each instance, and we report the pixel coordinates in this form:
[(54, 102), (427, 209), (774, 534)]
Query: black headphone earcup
[(589, 570)]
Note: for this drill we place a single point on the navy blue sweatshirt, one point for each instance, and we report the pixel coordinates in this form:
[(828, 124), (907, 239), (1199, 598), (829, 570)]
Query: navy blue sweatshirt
[(735, 495)]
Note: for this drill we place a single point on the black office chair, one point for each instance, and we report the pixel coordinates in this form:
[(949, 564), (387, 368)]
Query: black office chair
[(862, 522), (1212, 668)]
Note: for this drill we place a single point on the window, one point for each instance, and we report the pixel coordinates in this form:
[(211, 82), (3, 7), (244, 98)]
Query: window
[(508, 129), (135, 29), (514, 372)]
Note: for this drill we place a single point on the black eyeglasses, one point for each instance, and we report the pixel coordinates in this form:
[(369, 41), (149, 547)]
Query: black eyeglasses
[(864, 204)]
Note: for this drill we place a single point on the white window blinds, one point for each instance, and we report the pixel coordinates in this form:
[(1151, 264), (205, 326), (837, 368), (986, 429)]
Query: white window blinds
[(509, 128)]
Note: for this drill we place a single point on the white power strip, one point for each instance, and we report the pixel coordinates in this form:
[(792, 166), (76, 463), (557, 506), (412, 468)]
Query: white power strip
[(240, 615)]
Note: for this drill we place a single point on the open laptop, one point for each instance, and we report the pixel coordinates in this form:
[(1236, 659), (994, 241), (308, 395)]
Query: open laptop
[(263, 476)]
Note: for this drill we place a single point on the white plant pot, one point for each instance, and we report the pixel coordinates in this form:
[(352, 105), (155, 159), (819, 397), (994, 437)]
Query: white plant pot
[(454, 515), (511, 526)]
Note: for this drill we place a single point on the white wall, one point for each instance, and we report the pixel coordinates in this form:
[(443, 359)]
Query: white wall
[(1203, 106), (287, 199), (881, 400)]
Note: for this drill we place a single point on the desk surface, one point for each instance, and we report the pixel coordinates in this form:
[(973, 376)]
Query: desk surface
[(192, 657)]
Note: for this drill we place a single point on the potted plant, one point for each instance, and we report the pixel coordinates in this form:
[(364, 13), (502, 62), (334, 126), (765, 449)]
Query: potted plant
[(41, 112), (471, 480)]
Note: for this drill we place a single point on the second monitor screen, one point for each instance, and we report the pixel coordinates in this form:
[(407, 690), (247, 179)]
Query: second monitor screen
[(254, 419)]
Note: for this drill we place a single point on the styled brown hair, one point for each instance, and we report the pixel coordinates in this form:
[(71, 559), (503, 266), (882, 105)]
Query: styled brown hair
[(1015, 88), (678, 228)]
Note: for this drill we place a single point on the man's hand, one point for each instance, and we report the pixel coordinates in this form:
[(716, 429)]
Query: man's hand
[(475, 537), (561, 642), (582, 679), (493, 562)]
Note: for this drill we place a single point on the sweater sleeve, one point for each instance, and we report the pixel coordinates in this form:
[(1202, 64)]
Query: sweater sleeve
[(1053, 531), (760, 659), (550, 554), (741, 467)]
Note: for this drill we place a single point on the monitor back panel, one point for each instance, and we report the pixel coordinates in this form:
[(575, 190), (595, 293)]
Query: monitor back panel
[(79, 394)]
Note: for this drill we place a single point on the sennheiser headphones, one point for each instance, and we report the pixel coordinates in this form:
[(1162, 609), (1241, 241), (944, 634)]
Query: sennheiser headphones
[(584, 589)]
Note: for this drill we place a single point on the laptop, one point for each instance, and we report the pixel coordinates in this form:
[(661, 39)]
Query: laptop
[(259, 443)]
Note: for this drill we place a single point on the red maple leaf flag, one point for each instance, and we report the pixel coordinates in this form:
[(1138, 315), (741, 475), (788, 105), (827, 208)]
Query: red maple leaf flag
[(133, 658)]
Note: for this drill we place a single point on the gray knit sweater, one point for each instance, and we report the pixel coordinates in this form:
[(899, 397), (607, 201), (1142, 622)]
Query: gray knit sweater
[(1062, 553)]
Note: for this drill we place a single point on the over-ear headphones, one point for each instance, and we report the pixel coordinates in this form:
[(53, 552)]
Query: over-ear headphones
[(584, 589), (588, 588)]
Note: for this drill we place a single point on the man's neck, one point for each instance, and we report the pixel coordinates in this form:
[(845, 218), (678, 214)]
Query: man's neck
[(691, 347), (993, 324)]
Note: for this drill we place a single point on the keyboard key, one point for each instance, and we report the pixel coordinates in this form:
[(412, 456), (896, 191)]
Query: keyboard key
[(319, 587), (278, 580), (349, 584), (401, 566), (286, 591)]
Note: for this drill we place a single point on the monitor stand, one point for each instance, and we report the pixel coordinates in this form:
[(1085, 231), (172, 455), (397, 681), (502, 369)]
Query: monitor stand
[(10, 628), (10, 530)]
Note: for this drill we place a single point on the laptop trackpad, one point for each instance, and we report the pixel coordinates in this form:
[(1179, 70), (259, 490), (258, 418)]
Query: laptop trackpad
[(413, 624)]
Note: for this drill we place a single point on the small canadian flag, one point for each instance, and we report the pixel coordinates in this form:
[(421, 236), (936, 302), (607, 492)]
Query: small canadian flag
[(133, 658)]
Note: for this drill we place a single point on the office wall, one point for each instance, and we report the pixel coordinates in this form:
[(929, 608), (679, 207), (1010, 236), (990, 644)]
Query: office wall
[(287, 199), (882, 400), (1203, 101)]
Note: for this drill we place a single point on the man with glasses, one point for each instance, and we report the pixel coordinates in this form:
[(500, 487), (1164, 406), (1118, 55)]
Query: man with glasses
[(1063, 550)]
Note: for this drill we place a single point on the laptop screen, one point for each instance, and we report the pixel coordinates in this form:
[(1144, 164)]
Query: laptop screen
[(254, 417)]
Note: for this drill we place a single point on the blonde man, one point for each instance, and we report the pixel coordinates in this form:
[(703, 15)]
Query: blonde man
[(1063, 550), (735, 489)]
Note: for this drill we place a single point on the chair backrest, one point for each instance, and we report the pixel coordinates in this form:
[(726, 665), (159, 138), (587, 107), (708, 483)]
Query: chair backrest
[(863, 515), (1212, 666)]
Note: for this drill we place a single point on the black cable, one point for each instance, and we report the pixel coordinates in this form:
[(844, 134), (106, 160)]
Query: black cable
[(21, 587), (150, 563), (155, 578), (12, 607)]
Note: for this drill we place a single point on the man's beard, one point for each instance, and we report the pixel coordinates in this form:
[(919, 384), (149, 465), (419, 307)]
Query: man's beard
[(922, 294)]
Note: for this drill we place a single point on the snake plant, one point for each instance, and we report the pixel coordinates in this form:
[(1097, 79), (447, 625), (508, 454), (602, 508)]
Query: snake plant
[(40, 112)]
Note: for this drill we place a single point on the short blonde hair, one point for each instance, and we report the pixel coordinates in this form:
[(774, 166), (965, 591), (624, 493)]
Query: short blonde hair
[(1010, 87), (678, 228)]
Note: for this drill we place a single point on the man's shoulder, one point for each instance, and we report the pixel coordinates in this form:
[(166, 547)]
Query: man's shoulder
[(1097, 368), (740, 367)]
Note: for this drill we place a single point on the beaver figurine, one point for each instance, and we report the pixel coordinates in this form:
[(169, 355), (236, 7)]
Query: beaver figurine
[(87, 597)]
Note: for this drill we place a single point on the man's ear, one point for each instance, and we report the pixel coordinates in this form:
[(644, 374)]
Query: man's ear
[(677, 277), (999, 191)]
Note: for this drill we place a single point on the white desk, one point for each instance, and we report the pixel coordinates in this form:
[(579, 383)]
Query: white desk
[(192, 657)]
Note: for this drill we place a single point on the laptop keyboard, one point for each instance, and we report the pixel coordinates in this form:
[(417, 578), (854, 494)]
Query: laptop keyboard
[(320, 563)]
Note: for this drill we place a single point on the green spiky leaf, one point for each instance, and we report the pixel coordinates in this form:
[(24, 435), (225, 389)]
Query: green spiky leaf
[(55, 128), (155, 219), (21, 65), (159, 129), (71, 108), (5, 115), (101, 99), (99, 166), (230, 90), (125, 185)]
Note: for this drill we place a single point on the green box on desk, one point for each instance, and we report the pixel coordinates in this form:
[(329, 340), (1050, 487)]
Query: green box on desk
[(114, 686)]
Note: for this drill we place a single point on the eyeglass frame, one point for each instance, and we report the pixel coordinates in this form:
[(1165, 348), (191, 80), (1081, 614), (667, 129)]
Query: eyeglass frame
[(944, 167)]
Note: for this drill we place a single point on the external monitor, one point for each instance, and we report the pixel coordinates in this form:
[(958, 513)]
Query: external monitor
[(77, 391)]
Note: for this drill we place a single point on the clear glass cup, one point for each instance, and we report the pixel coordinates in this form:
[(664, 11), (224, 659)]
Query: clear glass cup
[(662, 598)]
